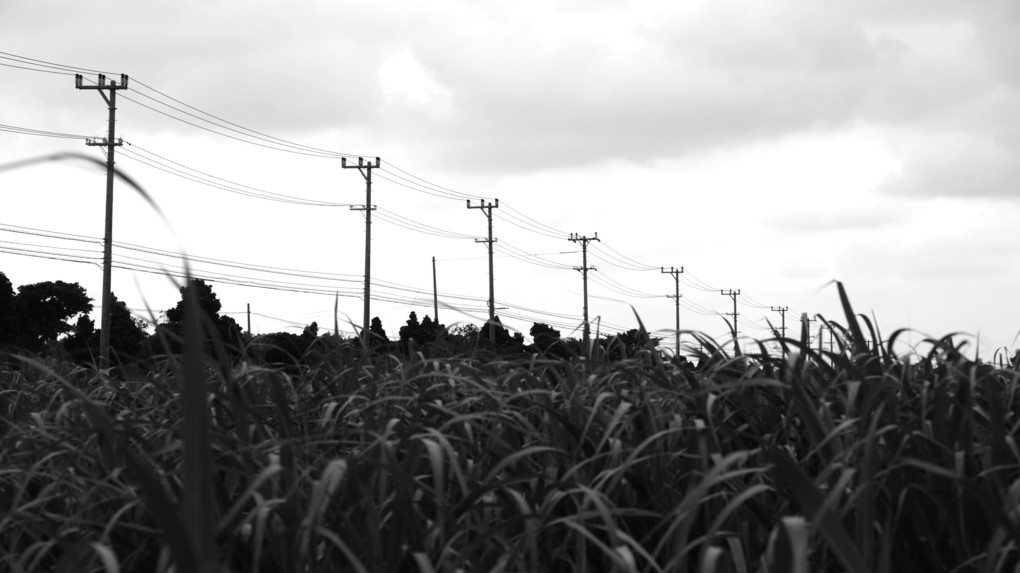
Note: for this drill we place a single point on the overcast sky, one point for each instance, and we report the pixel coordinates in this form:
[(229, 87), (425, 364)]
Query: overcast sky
[(769, 146)]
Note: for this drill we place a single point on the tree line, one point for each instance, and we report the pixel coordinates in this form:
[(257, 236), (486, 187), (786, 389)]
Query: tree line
[(51, 319)]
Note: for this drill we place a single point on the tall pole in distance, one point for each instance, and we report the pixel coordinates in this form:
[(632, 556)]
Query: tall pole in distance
[(676, 277), (806, 322), (435, 293), (366, 171), (110, 143), (733, 294), (487, 209), (584, 268), (782, 312)]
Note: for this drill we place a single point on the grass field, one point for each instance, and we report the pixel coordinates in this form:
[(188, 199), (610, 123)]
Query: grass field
[(852, 460)]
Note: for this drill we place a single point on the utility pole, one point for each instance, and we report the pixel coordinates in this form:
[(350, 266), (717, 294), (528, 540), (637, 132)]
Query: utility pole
[(807, 325), (782, 312), (110, 143), (435, 293), (249, 319), (365, 168), (487, 209), (676, 277), (733, 294), (584, 268)]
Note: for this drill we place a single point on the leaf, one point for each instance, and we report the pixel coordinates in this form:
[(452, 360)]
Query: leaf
[(804, 491)]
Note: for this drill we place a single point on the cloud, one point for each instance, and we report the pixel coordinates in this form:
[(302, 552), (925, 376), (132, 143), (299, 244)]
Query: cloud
[(822, 219), (958, 165), (501, 85), (725, 74)]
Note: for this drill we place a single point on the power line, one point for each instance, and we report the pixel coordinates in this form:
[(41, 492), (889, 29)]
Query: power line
[(40, 132), (621, 261), (170, 166), (61, 68), (242, 129), (181, 111)]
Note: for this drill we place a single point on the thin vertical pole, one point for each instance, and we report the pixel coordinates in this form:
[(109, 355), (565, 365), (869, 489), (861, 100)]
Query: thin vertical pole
[(676, 277), (487, 209), (435, 293), (733, 294), (110, 144), (104, 325), (366, 173), (575, 238)]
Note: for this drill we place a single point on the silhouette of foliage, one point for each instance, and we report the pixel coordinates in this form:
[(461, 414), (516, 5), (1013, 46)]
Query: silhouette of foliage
[(424, 333), (285, 350), (43, 310), (377, 334), (225, 327), (127, 335), (505, 342), (8, 314), (627, 344)]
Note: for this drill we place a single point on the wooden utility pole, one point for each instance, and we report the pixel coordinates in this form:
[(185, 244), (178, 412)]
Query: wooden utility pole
[(110, 143), (676, 297), (806, 322), (782, 329), (487, 209), (782, 313), (584, 268), (249, 319), (365, 169), (733, 294)]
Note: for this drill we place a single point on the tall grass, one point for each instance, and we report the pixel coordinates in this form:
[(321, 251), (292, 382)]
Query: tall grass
[(849, 460)]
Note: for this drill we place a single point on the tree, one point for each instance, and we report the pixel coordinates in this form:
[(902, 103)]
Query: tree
[(506, 342), (410, 330), (377, 335), (423, 333), (225, 327), (284, 350), (127, 334), (628, 344), (457, 340), (8, 314), (544, 336), (43, 310), (208, 302)]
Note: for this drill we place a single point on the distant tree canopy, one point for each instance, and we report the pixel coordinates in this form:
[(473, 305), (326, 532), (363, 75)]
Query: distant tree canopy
[(423, 333), (627, 344), (8, 314), (224, 327), (543, 336), (505, 342), (43, 309), (127, 335), (285, 349), (377, 335)]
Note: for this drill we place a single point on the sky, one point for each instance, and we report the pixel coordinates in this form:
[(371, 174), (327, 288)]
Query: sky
[(769, 147)]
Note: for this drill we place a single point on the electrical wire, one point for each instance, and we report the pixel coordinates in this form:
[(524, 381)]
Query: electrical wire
[(40, 132), (614, 258), (193, 116), (170, 166)]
